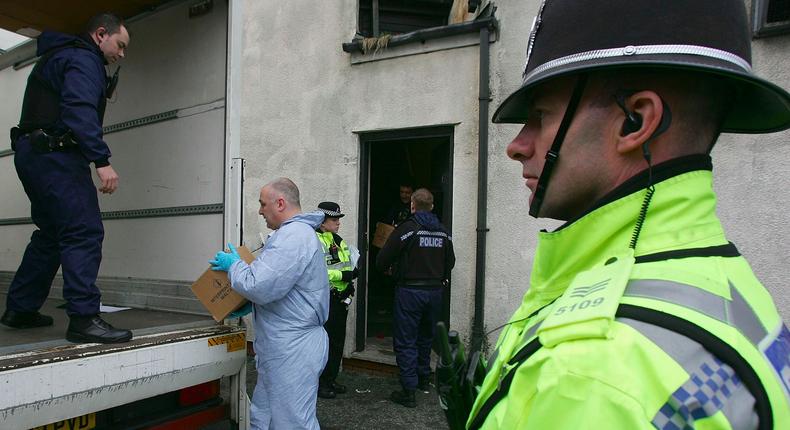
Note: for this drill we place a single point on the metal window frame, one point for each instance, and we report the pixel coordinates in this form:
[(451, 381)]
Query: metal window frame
[(761, 28)]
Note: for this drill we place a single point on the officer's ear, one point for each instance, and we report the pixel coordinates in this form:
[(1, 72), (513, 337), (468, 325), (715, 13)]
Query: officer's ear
[(646, 106)]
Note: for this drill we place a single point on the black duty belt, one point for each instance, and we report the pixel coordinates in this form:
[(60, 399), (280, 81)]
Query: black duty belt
[(42, 141), (432, 283)]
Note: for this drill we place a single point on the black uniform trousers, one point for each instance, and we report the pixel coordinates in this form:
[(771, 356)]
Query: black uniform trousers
[(417, 310), (335, 327), (65, 208)]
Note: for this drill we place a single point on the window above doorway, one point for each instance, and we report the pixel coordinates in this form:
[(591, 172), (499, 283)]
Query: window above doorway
[(395, 28), (770, 17), (379, 17)]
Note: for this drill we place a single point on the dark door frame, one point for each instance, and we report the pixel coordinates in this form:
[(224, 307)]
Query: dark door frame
[(366, 139)]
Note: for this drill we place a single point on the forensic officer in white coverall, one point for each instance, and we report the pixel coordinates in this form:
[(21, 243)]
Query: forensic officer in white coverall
[(289, 289)]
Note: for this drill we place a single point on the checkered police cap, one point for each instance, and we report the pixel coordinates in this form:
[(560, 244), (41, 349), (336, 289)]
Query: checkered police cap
[(331, 209)]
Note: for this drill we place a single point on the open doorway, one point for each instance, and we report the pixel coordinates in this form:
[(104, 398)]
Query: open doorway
[(420, 158)]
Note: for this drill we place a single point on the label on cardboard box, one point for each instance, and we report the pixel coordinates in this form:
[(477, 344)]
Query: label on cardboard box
[(214, 291)]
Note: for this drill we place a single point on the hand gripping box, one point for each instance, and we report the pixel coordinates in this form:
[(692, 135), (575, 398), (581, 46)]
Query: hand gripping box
[(213, 289)]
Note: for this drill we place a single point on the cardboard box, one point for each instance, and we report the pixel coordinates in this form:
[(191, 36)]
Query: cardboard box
[(213, 289), (383, 231)]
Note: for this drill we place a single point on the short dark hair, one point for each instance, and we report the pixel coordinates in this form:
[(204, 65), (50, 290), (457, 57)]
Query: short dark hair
[(109, 21), (700, 111), (422, 199)]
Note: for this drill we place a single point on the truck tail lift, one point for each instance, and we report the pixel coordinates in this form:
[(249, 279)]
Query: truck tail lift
[(161, 380)]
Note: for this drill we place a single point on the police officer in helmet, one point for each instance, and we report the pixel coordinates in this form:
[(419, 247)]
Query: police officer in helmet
[(639, 314)]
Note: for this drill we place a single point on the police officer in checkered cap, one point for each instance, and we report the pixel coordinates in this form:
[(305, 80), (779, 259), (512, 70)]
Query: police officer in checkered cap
[(341, 273)]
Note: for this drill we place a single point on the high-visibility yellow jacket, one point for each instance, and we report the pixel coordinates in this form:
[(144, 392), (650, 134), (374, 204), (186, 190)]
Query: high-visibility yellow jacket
[(337, 260), (696, 341)]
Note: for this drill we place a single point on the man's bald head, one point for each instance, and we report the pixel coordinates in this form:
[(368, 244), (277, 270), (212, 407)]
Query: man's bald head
[(279, 201)]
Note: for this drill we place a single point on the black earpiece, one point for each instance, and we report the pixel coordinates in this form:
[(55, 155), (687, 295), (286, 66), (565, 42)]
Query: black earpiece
[(633, 121)]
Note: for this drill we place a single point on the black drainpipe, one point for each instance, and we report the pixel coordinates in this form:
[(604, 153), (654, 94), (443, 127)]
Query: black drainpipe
[(484, 98)]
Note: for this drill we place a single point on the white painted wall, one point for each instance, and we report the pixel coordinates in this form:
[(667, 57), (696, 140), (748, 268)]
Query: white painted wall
[(14, 201), (303, 100)]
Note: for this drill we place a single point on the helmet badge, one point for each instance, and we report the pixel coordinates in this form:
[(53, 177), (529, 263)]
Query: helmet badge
[(532, 33)]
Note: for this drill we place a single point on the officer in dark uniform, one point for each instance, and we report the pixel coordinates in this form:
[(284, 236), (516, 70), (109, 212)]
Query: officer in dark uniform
[(58, 137), (421, 251)]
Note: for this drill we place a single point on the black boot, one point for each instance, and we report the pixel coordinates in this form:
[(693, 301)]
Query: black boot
[(25, 319), (338, 388), (326, 392), (93, 329), (404, 397), (424, 383)]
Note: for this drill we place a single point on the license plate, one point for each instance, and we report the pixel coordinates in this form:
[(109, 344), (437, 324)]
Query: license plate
[(85, 422)]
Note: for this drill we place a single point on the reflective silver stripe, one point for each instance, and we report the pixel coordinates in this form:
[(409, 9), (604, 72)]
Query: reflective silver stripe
[(742, 316), (735, 312), (532, 331), (491, 360), (341, 265), (681, 294), (331, 214), (432, 233), (631, 51), (425, 233), (528, 335), (712, 386)]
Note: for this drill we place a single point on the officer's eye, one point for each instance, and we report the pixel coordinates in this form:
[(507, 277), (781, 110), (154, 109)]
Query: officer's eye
[(535, 117)]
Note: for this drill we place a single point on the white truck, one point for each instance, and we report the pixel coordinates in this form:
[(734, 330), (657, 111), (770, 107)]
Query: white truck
[(173, 132)]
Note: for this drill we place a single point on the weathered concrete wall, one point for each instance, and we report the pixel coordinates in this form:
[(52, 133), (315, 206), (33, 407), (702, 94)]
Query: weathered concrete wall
[(752, 179), (303, 100)]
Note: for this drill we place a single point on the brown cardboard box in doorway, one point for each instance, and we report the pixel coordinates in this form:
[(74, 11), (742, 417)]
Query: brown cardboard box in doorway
[(213, 289), (383, 231)]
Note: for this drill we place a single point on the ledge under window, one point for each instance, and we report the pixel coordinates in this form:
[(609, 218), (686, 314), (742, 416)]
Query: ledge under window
[(423, 41)]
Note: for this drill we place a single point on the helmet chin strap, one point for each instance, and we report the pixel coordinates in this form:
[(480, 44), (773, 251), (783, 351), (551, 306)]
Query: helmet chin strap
[(554, 152)]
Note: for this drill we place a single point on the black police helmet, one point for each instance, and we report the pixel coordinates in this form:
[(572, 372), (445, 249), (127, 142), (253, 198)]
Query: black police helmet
[(708, 37)]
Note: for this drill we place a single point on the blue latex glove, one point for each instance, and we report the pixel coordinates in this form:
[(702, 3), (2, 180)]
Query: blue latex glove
[(240, 312), (223, 260)]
